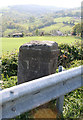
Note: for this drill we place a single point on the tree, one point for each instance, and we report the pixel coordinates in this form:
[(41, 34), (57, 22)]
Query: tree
[(76, 30), (30, 29), (82, 30), (37, 32), (31, 19)]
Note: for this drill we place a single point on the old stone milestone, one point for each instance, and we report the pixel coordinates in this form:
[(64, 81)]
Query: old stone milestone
[(37, 59)]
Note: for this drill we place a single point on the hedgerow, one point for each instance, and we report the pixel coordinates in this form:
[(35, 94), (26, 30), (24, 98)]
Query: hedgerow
[(9, 64), (67, 54)]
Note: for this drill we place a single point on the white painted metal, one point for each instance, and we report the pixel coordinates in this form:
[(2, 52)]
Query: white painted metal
[(24, 97)]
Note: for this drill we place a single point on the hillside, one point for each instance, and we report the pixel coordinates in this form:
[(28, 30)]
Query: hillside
[(31, 9), (31, 19)]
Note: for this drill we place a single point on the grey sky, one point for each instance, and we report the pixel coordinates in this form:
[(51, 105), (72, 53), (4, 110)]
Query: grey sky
[(57, 3)]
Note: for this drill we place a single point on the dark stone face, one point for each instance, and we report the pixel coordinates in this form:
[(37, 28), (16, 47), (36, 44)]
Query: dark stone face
[(37, 59)]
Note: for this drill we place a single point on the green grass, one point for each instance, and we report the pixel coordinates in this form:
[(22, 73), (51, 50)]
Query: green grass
[(65, 19), (61, 19), (53, 27), (66, 28), (59, 26), (9, 44)]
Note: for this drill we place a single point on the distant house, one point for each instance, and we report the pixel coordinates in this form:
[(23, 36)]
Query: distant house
[(17, 35), (57, 33)]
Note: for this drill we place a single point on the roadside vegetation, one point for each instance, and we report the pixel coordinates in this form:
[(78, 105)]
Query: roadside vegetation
[(70, 56)]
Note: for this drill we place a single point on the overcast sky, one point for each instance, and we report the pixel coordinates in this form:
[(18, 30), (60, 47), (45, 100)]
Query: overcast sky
[(57, 3)]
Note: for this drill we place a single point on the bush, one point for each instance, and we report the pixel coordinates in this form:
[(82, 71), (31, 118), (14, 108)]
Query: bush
[(8, 81), (68, 53), (9, 64)]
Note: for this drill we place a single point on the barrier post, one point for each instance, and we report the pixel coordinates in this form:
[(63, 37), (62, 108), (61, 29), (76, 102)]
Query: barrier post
[(60, 100)]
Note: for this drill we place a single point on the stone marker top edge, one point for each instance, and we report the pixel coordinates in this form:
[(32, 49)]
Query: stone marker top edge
[(40, 44)]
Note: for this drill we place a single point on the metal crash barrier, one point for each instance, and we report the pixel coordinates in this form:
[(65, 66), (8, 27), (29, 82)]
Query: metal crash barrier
[(24, 97)]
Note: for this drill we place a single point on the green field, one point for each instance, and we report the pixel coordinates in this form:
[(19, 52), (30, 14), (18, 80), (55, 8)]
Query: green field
[(60, 26), (53, 27), (65, 19), (9, 44)]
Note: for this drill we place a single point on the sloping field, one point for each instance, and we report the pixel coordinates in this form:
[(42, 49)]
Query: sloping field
[(53, 27), (65, 19), (60, 26), (66, 28)]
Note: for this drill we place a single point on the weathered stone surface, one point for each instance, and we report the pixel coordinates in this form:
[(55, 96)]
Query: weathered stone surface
[(37, 59)]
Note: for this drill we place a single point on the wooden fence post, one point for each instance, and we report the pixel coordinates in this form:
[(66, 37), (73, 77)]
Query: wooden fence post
[(60, 100)]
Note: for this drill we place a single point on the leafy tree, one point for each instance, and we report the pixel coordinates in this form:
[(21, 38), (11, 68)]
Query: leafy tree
[(31, 19), (76, 30), (30, 29), (37, 32), (82, 29)]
